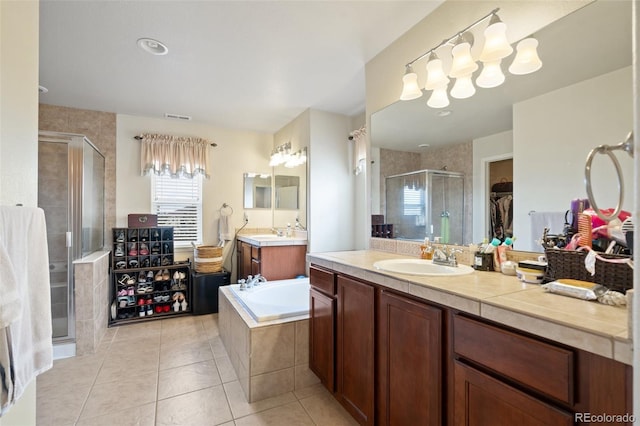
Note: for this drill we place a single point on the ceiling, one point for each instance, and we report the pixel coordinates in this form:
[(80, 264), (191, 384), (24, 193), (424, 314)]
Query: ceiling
[(591, 41), (251, 65)]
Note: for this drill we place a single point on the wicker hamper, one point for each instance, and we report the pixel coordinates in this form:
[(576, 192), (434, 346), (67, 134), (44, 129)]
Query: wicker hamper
[(208, 259), (570, 264)]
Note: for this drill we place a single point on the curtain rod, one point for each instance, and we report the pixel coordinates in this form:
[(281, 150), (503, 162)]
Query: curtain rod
[(140, 138)]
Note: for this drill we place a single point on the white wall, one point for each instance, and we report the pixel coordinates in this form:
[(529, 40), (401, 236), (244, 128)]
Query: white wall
[(331, 184), (552, 136), (362, 182), (19, 135), (485, 150), (237, 152)]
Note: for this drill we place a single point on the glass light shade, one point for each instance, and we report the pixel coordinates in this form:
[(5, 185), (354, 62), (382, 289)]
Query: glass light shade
[(491, 75), (526, 60), (439, 98), (463, 88), (496, 45), (435, 74), (463, 63), (410, 88)]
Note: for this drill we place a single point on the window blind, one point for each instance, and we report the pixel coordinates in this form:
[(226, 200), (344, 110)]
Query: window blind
[(178, 203), (412, 201)]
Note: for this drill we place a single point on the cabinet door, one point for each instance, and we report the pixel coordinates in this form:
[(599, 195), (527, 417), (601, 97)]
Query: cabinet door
[(355, 346), (244, 260), (409, 362), (481, 400), (322, 310)]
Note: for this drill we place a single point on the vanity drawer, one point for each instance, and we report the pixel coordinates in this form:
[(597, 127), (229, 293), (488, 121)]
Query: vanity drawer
[(535, 364), (322, 280)]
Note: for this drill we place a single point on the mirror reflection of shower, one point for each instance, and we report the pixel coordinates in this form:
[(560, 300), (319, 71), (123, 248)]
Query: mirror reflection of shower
[(71, 181)]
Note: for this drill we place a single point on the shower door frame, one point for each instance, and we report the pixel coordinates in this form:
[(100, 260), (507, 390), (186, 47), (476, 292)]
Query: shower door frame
[(75, 149)]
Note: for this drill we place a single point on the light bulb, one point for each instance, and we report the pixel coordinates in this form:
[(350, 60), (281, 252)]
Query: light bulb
[(439, 98), (463, 88), (496, 45), (410, 88), (491, 75), (463, 63), (526, 60), (435, 74)]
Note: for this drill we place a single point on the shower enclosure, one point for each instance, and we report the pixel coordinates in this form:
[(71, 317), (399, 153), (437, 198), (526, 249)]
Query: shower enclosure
[(71, 174), (426, 203)]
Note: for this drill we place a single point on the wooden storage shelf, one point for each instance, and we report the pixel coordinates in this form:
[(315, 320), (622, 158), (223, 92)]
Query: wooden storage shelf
[(132, 255)]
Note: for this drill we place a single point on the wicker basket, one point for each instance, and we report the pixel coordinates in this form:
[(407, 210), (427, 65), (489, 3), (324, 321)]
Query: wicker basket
[(208, 259), (570, 264)]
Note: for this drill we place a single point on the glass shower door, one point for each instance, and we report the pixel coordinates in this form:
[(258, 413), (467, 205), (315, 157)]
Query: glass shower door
[(55, 197)]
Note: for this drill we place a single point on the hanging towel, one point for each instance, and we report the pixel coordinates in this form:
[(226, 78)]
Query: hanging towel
[(540, 220), (10, 303), (23, 234), (224, 228)]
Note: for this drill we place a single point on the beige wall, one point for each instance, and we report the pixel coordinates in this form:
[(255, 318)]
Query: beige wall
[(237, 152), (19, 135), (19, 102)]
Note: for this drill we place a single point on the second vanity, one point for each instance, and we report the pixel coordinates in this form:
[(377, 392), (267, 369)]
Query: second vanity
[(481, 348), (272, 256)]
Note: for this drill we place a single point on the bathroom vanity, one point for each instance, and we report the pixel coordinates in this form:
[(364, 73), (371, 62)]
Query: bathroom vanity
[(272, 256), (472, 349)]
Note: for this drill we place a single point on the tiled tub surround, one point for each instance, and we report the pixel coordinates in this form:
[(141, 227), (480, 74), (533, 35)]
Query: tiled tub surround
[(590, 326), (91, 286), (270, 358)]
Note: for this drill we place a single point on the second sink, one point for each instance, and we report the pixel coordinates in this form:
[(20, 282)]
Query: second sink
[(421, 267)]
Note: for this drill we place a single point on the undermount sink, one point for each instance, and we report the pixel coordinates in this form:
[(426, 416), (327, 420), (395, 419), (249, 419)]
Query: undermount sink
[(421, 267)]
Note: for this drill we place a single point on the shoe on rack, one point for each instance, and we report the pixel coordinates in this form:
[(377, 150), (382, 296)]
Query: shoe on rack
[(142, 277), (119, 252), (144, 249), (166, 308), (158, 276), (145, 262), (150, 276), (155, 248), (176, 306), (183, 304), (158, 309), (142, 311), (120, 236), (149, 310), (133, 250), (124, 280), (155, 235)]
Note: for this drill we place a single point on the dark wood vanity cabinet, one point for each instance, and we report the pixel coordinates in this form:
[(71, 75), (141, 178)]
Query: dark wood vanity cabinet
[(355, 348), (392, 359), (501, 376), (410, 364), (272, 262)]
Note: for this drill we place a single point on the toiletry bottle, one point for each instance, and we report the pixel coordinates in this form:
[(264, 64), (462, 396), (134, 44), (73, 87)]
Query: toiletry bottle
[(288, 230), (426, 250)]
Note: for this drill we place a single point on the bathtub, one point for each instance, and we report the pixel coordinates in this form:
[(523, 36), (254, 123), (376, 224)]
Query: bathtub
[(265, 331), (275, 300)]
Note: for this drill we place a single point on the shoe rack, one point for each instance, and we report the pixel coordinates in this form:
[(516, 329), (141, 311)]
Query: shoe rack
[(147, 284)]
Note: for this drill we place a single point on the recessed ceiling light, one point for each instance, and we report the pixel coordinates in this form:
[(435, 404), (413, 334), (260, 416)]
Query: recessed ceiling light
[(423, 145), (152, 46), (42, 89), (444, 113)]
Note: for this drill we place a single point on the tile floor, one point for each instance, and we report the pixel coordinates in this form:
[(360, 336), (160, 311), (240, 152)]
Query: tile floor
[(174, 371)]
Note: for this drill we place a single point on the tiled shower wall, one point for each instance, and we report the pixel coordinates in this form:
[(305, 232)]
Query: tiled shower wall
[(100, 128), (456, 158)]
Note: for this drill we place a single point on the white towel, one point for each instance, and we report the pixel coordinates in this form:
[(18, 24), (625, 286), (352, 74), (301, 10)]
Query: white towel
[(224, 228), (23, 233), (10, 303), (540, 220)]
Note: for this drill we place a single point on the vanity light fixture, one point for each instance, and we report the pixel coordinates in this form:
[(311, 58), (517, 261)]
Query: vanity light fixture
[(282, 155), (496, 47)]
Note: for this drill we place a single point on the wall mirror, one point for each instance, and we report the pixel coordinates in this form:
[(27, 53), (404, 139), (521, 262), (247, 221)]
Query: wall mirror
[(257, 191), (581, 98), (287, 192)]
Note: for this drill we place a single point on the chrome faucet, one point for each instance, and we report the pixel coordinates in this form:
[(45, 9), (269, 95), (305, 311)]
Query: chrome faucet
[(278, 232), (446, 256), (243, 284), (253, 281)]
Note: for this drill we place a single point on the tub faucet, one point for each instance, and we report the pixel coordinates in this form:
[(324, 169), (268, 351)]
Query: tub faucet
[(253, 281), (243, 284)]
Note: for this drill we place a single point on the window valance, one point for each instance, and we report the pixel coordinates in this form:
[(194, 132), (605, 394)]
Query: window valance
[(174, 156)]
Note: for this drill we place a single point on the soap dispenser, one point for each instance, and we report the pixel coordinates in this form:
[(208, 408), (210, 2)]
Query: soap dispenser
[(288, 230), (426, 250)]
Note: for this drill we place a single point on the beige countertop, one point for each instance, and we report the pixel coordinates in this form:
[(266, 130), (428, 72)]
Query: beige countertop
[(586, 325)]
